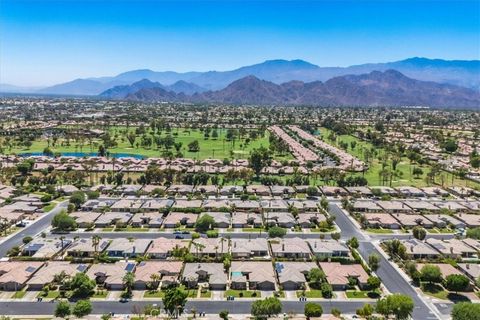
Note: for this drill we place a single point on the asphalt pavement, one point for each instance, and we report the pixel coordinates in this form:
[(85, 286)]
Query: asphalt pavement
[(207, 306), (41, 224)]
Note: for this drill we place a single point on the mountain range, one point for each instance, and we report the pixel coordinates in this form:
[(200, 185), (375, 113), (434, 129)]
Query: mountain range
[(377, 88), (457, 72)]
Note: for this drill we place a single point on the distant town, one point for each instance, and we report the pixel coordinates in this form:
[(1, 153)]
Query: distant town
[(162, 209)]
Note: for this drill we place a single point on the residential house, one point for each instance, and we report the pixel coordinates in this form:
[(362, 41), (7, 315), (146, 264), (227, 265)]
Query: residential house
[(222, 219), (293, 275), (162, 248), (15, 274), (246, 219), (45, 248), (211, 273), (323, 249), (113, 218), (249, 248), (110, 275), (419, 250), (175, 219), (84, 247), (46, 274), (290, 248), (124, 248), (252, 275), (167, 273), (339, 275)]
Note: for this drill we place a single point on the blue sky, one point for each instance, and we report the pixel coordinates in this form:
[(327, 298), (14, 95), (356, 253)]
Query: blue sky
[(46, 42)]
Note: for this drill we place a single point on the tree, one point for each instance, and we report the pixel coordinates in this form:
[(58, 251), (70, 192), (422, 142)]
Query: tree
[(276, 232), (174, 301), (204, 223), (316, 277), (81, 285), (353, 243), (374, 261), (259, 159), (82, 308), (456, 282), (77, 198), (373, 282), (194, 146), (450, 146), (336, 236), (327, 291), (62, 310), (417, 172), (419, 232), (63, 222), (466, 311), (128, 281), (431, 274), (313, 310), (263, 309), (224, 313), (401, 306)]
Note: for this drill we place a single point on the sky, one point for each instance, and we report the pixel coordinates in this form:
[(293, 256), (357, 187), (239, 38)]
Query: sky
[(48, 42)]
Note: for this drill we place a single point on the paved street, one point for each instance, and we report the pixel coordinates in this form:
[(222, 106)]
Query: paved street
[(234, 307), (32, 229), (392, 280)]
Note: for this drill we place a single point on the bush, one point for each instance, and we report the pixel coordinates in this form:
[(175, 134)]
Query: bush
[(82, 308), (327, 291), (466, 311), (313, 310), (212, 234), (27, 239), (204, 223), (62, 310), (276, 232)]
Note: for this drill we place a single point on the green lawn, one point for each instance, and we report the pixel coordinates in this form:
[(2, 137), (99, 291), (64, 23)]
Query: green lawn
[(434, 290), (252, 229), (192, 293), (242, 293), (154, 294), (19, 294), (206, 294), (50, 295), (133, 229), (108, 229), (405, 177), (49, 207), (312, 293), (218, 148), (379, 231), (361, 294), (100, 294)]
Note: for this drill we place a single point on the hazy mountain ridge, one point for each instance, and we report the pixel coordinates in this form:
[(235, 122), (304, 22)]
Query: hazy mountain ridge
[(389, 88), (458, 72)]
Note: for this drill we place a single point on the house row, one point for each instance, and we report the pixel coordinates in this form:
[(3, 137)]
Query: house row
[(436, 248), (415, 205), (410, 220)]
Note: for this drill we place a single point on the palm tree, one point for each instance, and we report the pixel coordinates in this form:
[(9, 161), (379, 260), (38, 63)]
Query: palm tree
[(128, 281), (96, 241), (155, 280)]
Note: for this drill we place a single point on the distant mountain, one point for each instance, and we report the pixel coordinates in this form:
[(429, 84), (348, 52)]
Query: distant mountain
[(389, 88), (121, 92), (81, 87), (5, 87), (457, 72)]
